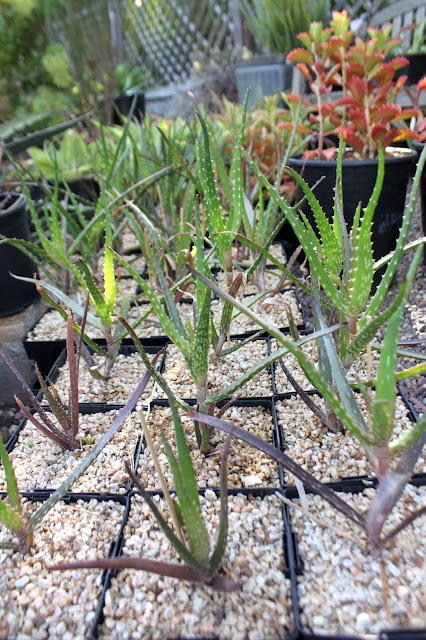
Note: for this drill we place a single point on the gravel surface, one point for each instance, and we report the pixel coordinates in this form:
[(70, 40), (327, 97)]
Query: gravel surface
[(127, 372), (327, 455), (40, 604), (345, 596), (221, 373), (247, 467), (150, 607), (42, 464)]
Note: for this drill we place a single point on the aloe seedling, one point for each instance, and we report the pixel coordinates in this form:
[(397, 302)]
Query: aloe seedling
[(12, 516), (191, 540), (65, 433)]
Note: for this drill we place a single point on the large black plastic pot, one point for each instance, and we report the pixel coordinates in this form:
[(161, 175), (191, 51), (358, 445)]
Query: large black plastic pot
[(14, 294), (124, 104), (415, 70), (358, 179)]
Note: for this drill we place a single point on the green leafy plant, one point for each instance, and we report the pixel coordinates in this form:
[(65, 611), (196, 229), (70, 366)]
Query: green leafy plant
[(130, 81), (366, 114), (275, 22), (393, 462)]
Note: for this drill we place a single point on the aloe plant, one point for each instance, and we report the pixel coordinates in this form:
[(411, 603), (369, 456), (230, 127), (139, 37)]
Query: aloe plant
[(341, 262), (12, 516), (190, 539), (65, 433), (393, 461)]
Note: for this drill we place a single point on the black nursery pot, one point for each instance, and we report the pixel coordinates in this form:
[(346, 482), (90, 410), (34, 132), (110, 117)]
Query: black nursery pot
[(358, 179), (415, 70), (14, 294), (124, 104)]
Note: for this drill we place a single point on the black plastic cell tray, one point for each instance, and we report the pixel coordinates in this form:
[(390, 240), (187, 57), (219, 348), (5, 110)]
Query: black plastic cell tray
[(257, 492), (347, 485), (84, 409), (125, 349)]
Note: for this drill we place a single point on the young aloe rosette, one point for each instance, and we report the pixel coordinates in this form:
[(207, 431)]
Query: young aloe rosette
[(189, 538)]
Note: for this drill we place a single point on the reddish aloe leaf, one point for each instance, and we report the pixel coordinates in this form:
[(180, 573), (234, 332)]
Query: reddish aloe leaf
[(282, 459), (181, 572)]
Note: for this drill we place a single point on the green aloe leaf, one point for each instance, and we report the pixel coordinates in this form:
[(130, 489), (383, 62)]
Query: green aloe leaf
[(184, 553), (381, 291), (383, 410), (330, 244), (215, 218), (12, 485), (306, 238), (362, 255), (408, 438), (200, 359), (364, 337), (9, 518), (97, 297)]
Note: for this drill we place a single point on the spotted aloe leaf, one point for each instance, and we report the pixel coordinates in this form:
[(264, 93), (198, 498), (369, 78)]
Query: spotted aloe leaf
[(362, 256), (306, 238), (383, 409), (215, 218), (238, 209), (97, 297), (364, 337), (330, 245), (200, 358)]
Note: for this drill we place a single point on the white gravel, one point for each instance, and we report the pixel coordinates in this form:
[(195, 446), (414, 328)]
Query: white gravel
[(273, 313), (150, 607), (341, 588), (42, 464), (247, 467), (127, 372), (38, 604), (329, 456), (222, 372)]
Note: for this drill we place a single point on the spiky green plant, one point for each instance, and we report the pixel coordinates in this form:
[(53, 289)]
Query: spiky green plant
[(393, 462), (190, 539)]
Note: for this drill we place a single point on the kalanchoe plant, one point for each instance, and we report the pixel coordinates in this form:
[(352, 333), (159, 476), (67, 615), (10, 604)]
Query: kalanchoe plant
[(366, 114), (190, 538)]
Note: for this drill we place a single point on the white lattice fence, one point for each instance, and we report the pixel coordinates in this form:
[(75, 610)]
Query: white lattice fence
[(166, 36)]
